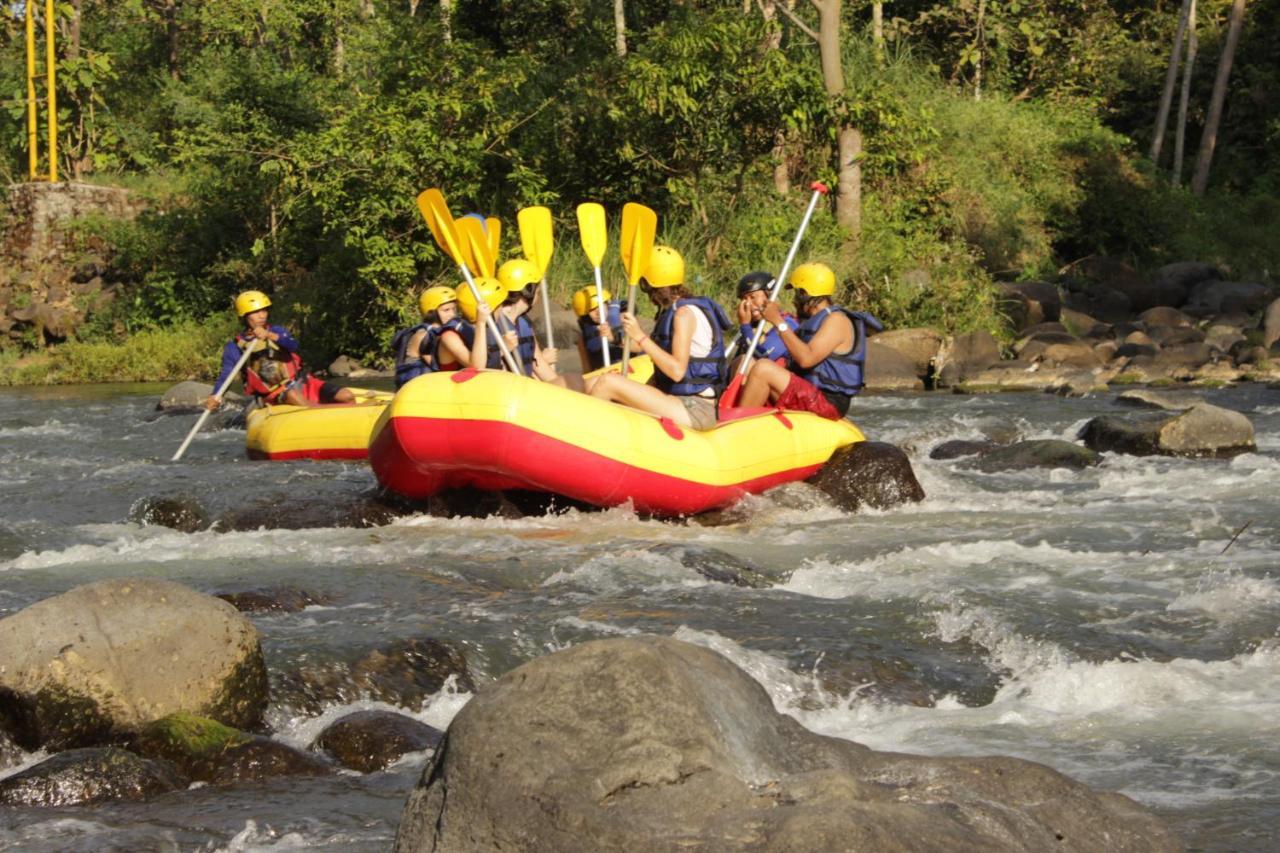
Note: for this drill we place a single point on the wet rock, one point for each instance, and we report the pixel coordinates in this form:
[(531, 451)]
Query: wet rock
[(1172, 336), (921, 346), (286, 512), (1039, 453), (1017, 375), (1202, 430), (1083, 325), (184, 396), (1271, 324), (1151, 398), (1139, 337), (81, 776), (1184, 355), (1224, 297), (1164, 317), (560, 755), (179, 512), (1083, 382), (715, 565), (370, 741), (966, 355), (405, 673), (1172, 283), (473, 503), (1216, 374), (107, 658), (1128, 350), (273, 600), (1105, 350), (10, 753), (1077, 353), (960, 447), (871, 473), (204, 750), (890, 370)]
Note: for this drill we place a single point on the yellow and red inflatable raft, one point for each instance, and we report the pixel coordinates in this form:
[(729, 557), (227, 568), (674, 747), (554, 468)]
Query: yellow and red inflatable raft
[(336, 431), (492, 430)]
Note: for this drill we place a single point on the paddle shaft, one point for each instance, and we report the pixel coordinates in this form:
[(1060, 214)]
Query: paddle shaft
[(604, 309), (226, 383), (493, 326), (818, 191), (626, 346), (546, 310)]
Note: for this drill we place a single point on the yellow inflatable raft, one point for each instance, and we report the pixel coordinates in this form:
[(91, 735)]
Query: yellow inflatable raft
[(338, 431), (492, 430)]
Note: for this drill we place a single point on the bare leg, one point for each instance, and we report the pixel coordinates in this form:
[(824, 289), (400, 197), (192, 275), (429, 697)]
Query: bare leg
[(344, 395), (646, 398), (293, 397), (765, 383)]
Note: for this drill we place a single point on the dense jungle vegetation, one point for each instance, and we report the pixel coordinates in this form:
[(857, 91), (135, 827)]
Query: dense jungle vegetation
[(282, 142)]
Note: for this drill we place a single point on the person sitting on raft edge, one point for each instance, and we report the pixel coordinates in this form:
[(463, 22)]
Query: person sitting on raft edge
[(274, 374), (827, 352), (415, 347), (594, 329), (520, 278), (687, 349), (753, 294)]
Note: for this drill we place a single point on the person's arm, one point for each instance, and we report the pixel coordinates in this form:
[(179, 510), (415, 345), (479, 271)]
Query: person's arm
[(584, 358), (480, 344), (456, 346), (833, 330), (281, 336), (675, 363)]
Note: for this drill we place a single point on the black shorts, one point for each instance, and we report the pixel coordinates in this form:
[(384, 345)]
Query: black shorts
[(839, 402), (329, 392)]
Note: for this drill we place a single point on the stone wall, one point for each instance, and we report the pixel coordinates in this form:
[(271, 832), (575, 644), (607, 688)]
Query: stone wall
[(51, 278)]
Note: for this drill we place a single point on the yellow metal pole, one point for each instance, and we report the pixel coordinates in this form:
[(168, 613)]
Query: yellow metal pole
[(51, 83), (33, 123)]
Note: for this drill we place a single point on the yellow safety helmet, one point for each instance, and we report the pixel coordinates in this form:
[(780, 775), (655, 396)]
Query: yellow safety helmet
[(665, 268), (517, 274), (433, 297), (250, 301), (586, 300), (491, 291), (814, 279)]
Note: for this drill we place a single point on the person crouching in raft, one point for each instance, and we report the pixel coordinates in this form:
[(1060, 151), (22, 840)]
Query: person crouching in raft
[(687, 349), (595, 330), (827, 352), (415, 346), (753, 295), (274, 374)]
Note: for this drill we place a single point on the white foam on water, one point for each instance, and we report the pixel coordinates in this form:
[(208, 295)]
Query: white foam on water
[(628, 568), (254, 838), (48, 428), (787, 689), (1228, 594)]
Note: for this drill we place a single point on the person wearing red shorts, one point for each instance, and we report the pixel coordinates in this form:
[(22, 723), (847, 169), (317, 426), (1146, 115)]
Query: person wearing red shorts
[(826, 352)]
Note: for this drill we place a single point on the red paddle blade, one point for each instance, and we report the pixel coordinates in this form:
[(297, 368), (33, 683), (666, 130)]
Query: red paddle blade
[(729, 399)]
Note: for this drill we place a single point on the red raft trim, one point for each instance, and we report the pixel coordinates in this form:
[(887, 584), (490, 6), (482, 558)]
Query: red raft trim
[(318, 453), (418, 457)]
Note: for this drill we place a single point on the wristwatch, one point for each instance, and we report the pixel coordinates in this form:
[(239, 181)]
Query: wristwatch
[(783, 327)]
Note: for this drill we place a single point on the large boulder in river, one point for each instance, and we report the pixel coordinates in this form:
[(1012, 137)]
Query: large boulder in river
[(1038, 453), (1173, 282), (1202, 430), (370, 741), (650, 744), (206, 751), (966, 355), (1226, 297), (109, 657), (1271, 325), (890, 370), (871, 473), (185, 395), (82, 776), (921, 346)]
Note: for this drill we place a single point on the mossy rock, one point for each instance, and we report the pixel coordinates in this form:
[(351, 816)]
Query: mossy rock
[(1127, 379), (207, 751)]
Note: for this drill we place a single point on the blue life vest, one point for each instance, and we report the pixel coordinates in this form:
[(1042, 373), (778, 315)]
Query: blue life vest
[(410, 368), (702, 373), (594, 343), (771, 346), (526, 344), (465, 331), (839, 373)]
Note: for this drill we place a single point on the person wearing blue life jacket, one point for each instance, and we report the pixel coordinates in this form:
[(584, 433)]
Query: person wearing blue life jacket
[(274, 374), (594, 330), (520, 279), (827, 352), (475, 333), (753, 295), (415, 345), (687, 349)]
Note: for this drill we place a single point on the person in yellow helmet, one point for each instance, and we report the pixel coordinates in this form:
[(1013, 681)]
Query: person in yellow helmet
[(598, 327), (414, 346), (520, 278), (484, 352), (826, 353), (687, 349), (274, 373)]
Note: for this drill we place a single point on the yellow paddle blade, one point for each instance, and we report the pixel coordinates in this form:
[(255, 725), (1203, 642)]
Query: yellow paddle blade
[(471, 234), (639, 225), (493, 227), (593, 231), (436, 211), (535, 236)]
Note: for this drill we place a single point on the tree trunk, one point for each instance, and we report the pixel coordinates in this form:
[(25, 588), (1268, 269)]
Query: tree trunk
[(171, 35), (1209, 138), (772, 41), (446, 19), (1170, 78), (877, 29), (620, 27), (849, 138), (980, 42), (413, 8), (72, 36), (1180, 134)]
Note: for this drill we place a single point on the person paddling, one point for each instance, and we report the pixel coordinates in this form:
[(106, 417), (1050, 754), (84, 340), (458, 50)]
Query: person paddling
[(414, 347), (274, 374), (687, 348), (595, 330), (827, 352)]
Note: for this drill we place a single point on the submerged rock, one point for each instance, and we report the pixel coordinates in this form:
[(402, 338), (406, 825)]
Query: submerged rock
[(715, 565), (1039, 453), (273, 600), (109, 657), (871, 473), (179, 512), (650, 744), (292, 513), (81, 776), (958, 447), (405, 673), (185, 395), (1202, 430), (370, 741), (204, 750), (1152, 398)]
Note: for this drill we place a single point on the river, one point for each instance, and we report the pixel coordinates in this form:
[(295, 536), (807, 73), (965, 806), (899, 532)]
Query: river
[(1087, 620)]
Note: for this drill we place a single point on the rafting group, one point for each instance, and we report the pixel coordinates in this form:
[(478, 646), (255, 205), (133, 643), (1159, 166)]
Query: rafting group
[(752, 395)]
